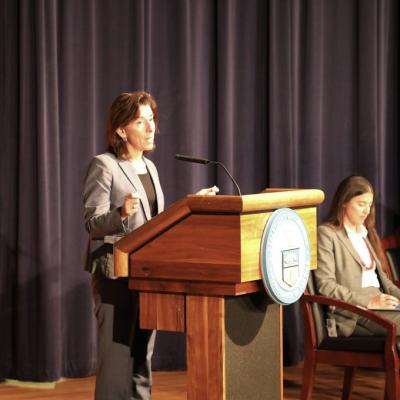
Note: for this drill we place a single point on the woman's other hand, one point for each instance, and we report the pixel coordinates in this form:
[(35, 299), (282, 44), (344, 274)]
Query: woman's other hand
[(212, 191), (383, 301), (130, 206)]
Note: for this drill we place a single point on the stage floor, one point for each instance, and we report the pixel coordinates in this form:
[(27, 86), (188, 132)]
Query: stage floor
[(369, 385)]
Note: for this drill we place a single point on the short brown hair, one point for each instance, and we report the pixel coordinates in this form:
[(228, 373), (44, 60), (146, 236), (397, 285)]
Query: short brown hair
[(123, 110)]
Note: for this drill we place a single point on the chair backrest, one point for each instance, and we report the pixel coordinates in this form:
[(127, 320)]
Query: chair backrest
[(391, 247), (318, 313), (393, 257)]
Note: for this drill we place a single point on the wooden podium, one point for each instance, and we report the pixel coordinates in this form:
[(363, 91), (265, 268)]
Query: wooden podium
[(196, 266)]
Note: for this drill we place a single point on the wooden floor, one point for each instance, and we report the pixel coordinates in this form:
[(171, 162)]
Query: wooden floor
[(369, 385)]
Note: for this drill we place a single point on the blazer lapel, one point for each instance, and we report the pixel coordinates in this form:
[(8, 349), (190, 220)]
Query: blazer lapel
[(347, 243), (132, 177), (379, 266), (371, 249), (157, 186)]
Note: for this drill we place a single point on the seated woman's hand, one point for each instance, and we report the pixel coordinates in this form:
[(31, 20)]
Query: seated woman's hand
[(212, 191), (383, 302)]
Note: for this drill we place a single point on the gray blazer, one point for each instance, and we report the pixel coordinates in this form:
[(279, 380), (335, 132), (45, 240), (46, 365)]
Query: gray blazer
[(339, 275), (108, 181)]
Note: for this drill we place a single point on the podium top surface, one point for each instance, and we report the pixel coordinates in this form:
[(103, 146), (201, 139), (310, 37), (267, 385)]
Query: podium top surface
[(267, 200)]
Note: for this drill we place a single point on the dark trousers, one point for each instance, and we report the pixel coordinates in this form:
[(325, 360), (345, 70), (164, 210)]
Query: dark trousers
[(124, 350)]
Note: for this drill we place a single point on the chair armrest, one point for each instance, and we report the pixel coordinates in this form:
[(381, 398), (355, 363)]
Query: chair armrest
[(363, 312), (390, 242)]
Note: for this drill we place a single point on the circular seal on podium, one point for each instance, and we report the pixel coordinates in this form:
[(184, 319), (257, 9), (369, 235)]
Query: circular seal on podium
[(285, 256)]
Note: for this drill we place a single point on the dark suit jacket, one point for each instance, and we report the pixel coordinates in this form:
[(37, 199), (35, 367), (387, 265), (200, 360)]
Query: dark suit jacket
[(108, 181), (339, 274)]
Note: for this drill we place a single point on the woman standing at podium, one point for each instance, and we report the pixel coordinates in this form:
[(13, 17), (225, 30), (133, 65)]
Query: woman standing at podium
[(350, 261), (121, 192)]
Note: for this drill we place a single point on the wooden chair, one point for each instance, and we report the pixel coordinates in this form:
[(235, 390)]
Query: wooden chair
[(349, 352), (391, 248)]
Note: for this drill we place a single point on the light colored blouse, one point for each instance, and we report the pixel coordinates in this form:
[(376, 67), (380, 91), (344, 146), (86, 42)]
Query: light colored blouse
[(369, 276)]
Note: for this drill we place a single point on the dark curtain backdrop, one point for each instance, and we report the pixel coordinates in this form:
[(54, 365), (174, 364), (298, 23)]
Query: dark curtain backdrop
[(286, 93)]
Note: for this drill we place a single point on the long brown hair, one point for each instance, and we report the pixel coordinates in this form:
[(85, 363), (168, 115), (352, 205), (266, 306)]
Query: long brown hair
[(123, 110), (350, 187)]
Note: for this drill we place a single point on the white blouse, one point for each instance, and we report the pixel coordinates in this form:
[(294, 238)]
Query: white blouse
[(369, 276)]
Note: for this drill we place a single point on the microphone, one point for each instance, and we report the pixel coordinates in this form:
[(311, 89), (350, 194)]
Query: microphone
[(200, 160)]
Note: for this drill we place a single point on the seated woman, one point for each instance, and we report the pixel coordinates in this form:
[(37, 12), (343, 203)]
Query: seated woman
[(349, 261)]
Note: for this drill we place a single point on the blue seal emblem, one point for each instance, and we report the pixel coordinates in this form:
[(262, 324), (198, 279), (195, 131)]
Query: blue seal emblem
[(285, 256)]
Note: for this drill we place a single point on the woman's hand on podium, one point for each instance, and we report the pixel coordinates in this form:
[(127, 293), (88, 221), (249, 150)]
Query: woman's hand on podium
[(212, 191)]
